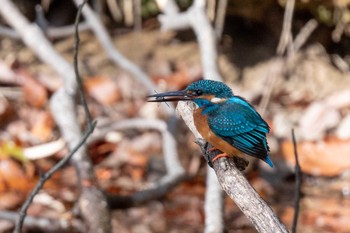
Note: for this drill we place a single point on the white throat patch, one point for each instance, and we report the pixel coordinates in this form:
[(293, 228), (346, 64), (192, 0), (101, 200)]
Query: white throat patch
[(216, 100)]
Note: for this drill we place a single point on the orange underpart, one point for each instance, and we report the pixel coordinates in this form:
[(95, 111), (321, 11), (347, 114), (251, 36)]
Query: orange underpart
[(220, 156)]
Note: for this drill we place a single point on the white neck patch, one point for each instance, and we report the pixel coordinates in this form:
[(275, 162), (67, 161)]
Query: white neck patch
[(216, 100)]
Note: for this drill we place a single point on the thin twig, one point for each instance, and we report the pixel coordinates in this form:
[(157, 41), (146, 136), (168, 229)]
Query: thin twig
[(106, 42), (214, 204), (137, 15), (286, 41), (59, 165), (220, 18), (114, 10), (76, 69), (298, 174), (46, 176), (211, 6), (304, 34), (196, 18), (286, 35)]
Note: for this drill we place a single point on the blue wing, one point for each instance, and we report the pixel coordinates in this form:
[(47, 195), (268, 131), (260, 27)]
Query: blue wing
[(238, 123)]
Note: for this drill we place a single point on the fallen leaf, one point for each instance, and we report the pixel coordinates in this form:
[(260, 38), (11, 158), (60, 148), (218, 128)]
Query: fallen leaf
[(43, 126), (6, 111), (12, 176), (10, 200), (104, 90), (11, 149), (325, 158), (35, 94)]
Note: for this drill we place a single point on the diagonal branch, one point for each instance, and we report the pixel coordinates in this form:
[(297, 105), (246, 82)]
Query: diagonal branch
[(236, 185), (51, 32), (47, 176)]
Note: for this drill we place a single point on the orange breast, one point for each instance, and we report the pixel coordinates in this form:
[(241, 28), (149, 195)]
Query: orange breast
[(201, 123)]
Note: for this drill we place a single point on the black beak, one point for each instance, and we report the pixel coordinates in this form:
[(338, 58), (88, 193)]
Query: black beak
[(171, 96)]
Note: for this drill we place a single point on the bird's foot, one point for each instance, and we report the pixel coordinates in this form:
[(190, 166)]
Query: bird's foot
[(219, 156), (204, 148), (213, 149)]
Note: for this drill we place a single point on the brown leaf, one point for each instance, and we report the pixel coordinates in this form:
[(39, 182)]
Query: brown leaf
[(324, 158), (104, 90), (12, 176), (10, 200), (6, 111), (34, 92), (43, 126)]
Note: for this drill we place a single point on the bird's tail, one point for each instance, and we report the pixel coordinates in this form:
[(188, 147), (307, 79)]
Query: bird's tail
[(268, 161)]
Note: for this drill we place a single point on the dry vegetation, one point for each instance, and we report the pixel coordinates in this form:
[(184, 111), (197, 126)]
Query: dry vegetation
[(307, 88)]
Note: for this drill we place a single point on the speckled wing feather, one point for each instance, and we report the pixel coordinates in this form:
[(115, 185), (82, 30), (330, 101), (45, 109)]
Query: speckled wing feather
[(237, 122)]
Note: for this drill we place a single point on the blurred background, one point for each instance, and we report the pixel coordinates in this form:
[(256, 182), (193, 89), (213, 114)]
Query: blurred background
[(306, 87)]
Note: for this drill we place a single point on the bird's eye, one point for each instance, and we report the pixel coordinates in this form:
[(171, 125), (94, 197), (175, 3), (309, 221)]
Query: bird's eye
[(199, 92)]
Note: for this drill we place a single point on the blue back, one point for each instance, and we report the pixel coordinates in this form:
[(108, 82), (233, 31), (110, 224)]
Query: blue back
[(239, 124), (234, 120)]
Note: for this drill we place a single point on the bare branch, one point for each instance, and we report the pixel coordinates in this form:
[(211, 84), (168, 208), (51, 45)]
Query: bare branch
[(46, 224), (230, 178), (35, 39), (247, 199), (76, 69), (137, 15), (114, 9), (220, 18), (236, 185), (92, 201), (286, 35), (195, 17), (214, 204), (304, 34), (298, 174), (51, 32), (107, 43), (168, 7)]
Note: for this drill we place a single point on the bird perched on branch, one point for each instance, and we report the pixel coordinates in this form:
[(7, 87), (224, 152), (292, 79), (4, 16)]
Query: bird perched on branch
[(228, 122)]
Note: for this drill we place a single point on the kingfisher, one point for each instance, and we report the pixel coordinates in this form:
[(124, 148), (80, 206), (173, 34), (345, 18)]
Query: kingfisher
[(227, 121)]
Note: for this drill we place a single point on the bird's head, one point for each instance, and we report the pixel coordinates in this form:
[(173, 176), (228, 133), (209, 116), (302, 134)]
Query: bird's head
[(202, 92)]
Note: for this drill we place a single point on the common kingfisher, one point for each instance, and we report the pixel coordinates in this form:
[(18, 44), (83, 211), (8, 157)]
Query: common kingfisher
[(228, 122)]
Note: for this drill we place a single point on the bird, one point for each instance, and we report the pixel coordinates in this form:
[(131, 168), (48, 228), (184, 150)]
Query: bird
[(227, 121)]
